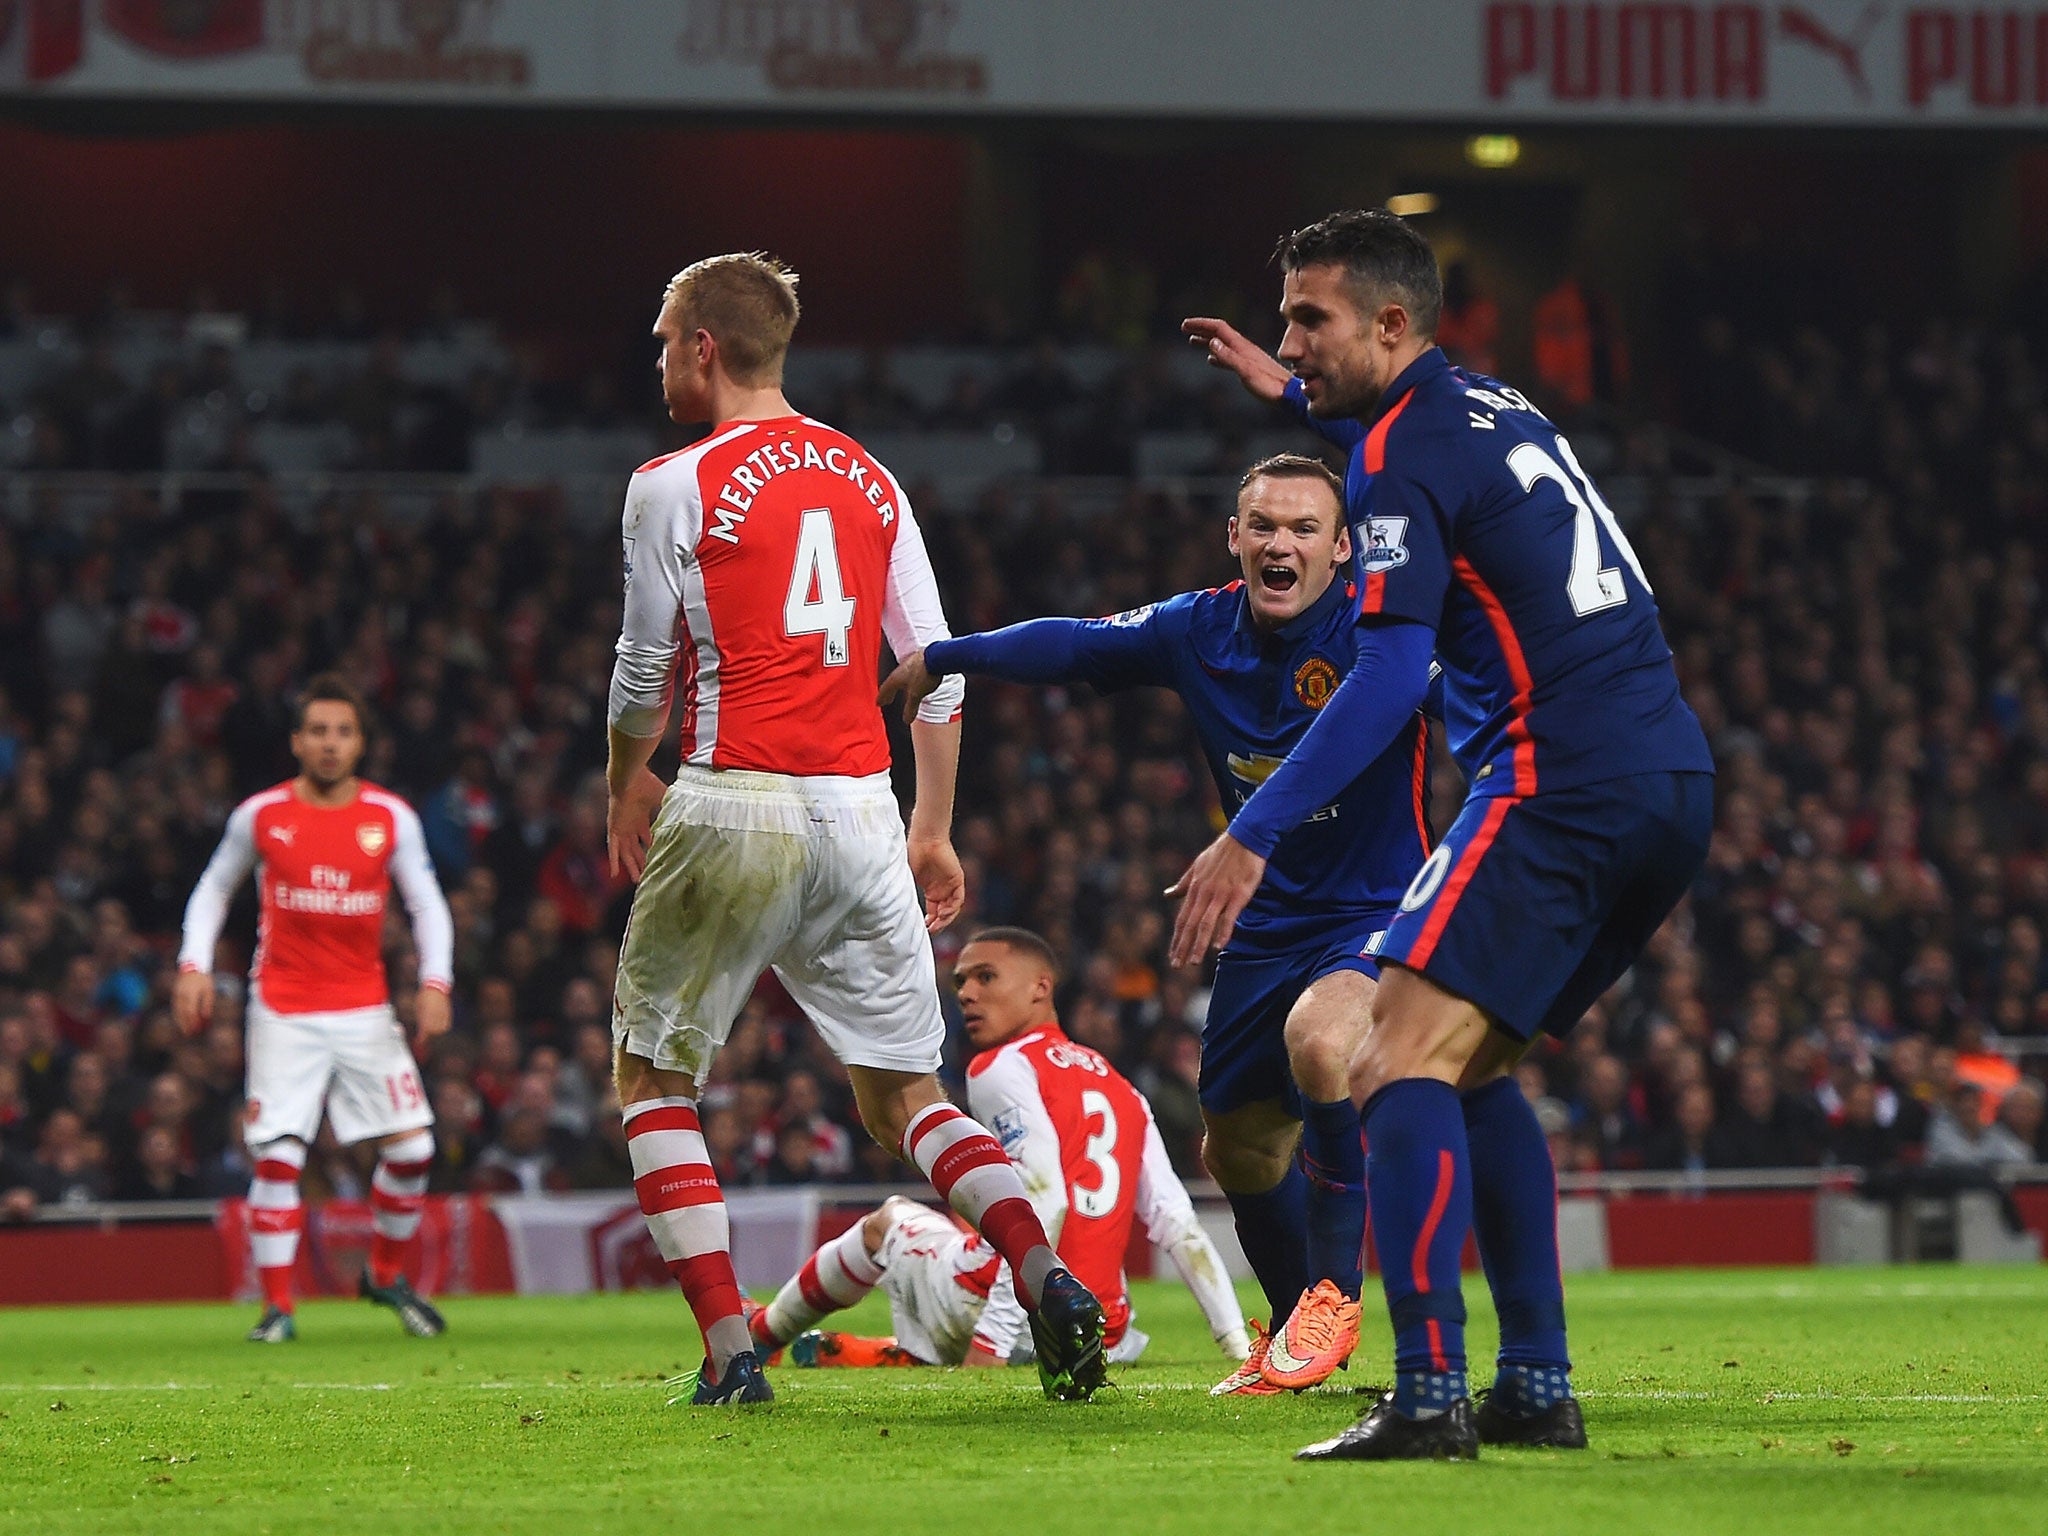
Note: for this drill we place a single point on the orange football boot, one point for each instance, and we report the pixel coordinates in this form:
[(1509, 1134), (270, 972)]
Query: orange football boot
[(1247, 1380), (821, 1347), (1316, 1340)]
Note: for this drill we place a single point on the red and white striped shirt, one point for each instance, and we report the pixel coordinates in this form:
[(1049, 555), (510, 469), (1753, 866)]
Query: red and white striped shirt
[(775, 556)]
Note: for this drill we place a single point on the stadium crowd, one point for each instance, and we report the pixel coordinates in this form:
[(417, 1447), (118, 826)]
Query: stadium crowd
[(1870, 660)]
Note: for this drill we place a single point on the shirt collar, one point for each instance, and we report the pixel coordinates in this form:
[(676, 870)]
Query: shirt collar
[(1427, 366)]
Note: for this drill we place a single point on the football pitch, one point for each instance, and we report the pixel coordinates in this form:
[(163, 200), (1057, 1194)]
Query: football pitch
[(1746, 1401)]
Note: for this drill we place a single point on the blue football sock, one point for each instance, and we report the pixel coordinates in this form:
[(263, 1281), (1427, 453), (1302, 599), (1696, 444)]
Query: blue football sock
[(1272, 1226), (1514, 1212), (1421, 1209), (1333, 1156)]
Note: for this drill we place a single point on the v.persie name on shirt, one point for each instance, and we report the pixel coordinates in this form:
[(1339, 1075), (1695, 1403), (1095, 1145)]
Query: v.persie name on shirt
[(735, 499)]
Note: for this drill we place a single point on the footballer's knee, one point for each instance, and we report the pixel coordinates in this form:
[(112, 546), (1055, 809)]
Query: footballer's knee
[(638, 1079), (1498, 1055), (887, 1101), (1418, 1030), (1246, 1152), (874, 1227), (1323, 1031), (281, 1149)]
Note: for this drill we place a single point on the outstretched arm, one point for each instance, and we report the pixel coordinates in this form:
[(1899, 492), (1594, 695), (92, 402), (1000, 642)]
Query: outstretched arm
[(1387, 684), (1119, 652)]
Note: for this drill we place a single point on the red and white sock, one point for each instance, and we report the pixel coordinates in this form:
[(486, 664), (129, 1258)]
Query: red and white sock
[(275, 1217), (685, 1213), (398, 1192), (836, 1276), (970, 1170)]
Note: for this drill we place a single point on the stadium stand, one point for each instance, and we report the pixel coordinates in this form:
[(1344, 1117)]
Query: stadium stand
[(197, 510)]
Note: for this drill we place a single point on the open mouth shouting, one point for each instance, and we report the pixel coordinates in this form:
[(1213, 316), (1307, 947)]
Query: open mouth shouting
[(1278, 578)]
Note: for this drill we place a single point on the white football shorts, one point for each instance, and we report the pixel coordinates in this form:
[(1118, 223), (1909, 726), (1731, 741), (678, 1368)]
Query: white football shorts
[(355, 1064), (923, 1259), (806, 876)]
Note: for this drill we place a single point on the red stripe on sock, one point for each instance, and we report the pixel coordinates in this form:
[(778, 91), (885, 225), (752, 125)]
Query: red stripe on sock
[(963, 1157), (946, 1114), (816, 1297), (408, 1170), (277, 1171), (670, 1117), (277, 1286), (672, 1188), (1013, 1230), (1436, 1347), (710, 1286), (1437, 1203), (270, 1222), (387, 1258)]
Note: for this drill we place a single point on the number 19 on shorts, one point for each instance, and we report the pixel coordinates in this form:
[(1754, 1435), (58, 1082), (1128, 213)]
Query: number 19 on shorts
[(817, 603)]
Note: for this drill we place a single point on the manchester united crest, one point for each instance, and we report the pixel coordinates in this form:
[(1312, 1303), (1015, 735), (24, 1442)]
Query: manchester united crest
[(1314, 681), (371, 837)]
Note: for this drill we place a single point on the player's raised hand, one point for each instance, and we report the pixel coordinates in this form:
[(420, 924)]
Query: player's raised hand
[(192, 1000), (629, 823), (937, 870), (1214, 892), (913, 680), (1263, 374)]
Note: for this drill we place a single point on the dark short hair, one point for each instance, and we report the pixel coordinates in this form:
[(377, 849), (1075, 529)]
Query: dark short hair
[(1292, 466), (1382, 254), (331, 688), (1020, 939)]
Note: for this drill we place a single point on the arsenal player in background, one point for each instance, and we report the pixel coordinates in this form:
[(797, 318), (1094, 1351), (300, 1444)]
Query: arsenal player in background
[(327, 847)]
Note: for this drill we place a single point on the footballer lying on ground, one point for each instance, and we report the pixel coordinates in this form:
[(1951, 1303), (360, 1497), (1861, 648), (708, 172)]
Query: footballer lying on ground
[(1255, 662), (1091, 1158)]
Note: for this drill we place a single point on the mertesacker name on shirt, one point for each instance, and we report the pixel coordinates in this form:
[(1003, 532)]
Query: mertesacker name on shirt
[(735, 498)]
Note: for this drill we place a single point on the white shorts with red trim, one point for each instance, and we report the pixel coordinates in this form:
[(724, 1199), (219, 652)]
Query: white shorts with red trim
[(929, 1273), (809, 877), (354, 1064)]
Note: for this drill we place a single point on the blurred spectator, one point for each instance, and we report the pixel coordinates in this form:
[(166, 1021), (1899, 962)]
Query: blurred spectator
[(1764, 1129), (158, 1172), (1957, 1136)]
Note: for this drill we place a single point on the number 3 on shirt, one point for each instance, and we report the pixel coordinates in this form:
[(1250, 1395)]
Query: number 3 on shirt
[(830, 611), (1591, 587), (1101, 1151)]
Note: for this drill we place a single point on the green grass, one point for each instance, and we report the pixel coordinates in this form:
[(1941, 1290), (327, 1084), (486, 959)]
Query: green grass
[(1741, 1401)]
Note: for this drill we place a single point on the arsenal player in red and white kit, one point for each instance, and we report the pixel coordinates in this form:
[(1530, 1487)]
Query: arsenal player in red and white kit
[(1083, 1139), (773, 558), (327, 847)]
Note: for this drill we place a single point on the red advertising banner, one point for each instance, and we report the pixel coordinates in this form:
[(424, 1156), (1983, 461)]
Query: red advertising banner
[(186, 29)]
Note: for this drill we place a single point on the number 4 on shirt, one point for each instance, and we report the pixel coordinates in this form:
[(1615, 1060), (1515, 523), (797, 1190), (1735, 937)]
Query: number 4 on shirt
[(817, 603)]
